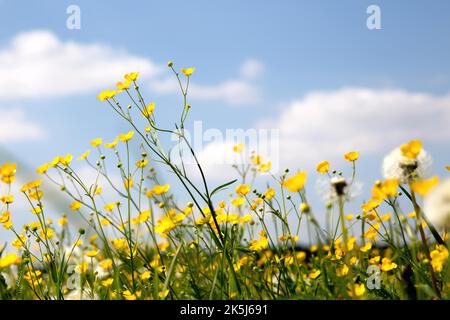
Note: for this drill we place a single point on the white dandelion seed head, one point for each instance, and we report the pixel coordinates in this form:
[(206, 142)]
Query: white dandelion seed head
[(437, 205), (331, 189), (404, 169)]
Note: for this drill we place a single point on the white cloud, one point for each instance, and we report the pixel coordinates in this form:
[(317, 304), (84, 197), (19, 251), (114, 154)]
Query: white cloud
[(15, 127), (324, 125), (251, 69), (239, 91), (38, 64), (235, 92)]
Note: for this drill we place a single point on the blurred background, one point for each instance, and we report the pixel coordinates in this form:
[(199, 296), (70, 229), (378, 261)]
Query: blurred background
[(324, 74)]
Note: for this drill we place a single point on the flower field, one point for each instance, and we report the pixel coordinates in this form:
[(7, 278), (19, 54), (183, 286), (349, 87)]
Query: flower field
[(233, 241)]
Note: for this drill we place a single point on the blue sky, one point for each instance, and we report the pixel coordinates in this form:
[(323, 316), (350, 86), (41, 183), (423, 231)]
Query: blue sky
[(301, 47)]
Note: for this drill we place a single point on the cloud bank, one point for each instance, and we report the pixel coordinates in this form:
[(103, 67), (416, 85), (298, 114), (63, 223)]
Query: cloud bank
[(37, 64), (14, 126), (323, 125)]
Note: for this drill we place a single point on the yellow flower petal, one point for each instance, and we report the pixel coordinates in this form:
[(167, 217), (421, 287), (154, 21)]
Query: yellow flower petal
[(424, 187), (411, 149), (296, 182), (351, 156)]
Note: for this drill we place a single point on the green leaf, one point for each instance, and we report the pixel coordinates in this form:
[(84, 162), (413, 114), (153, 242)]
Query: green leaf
[(172, 267), (223, 186), (436, 235)]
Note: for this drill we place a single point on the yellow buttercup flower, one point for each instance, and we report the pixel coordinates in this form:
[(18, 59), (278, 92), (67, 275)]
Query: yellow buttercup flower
[(43, 169), (31, 186), (98, 190), (386, 189), (132, 76), (269, 194), (84, 155), (242, 189), (96, 142), (123, 85), (246, 218), (351, 156), (63, 221), (109, 207), (304, 207), (148, 110), (342, 271), (65, 161), (163, 245), (7, 172), (7, 225), (238, 148), (265, 167), (370, 205), (237, 202), (111, 145), (105, 264), (296, 182), (187, 71), (323, 167), (106, 94), (74, 206), (107, 282), (36, 210), (47, 233), (19, 242), (142, 217), (411, 149), (411, 215), (374, 260), (165, 224), (160, 189), (424, 187), (314, 274), (387, 265), (7, 199), (438, 257), (372, 232), (146, 275), (9, 259), (8, 169), (260, 244), (366, 247), (141, 163), (126, 137), (5, 216), (128, 183), (359, 289), (92, 253)]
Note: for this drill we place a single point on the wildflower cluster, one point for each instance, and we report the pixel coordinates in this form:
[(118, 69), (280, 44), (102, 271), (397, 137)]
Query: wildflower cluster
[(136, 241)]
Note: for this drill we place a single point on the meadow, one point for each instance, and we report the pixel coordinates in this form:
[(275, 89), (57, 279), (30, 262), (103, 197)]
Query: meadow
[(146, 245)]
